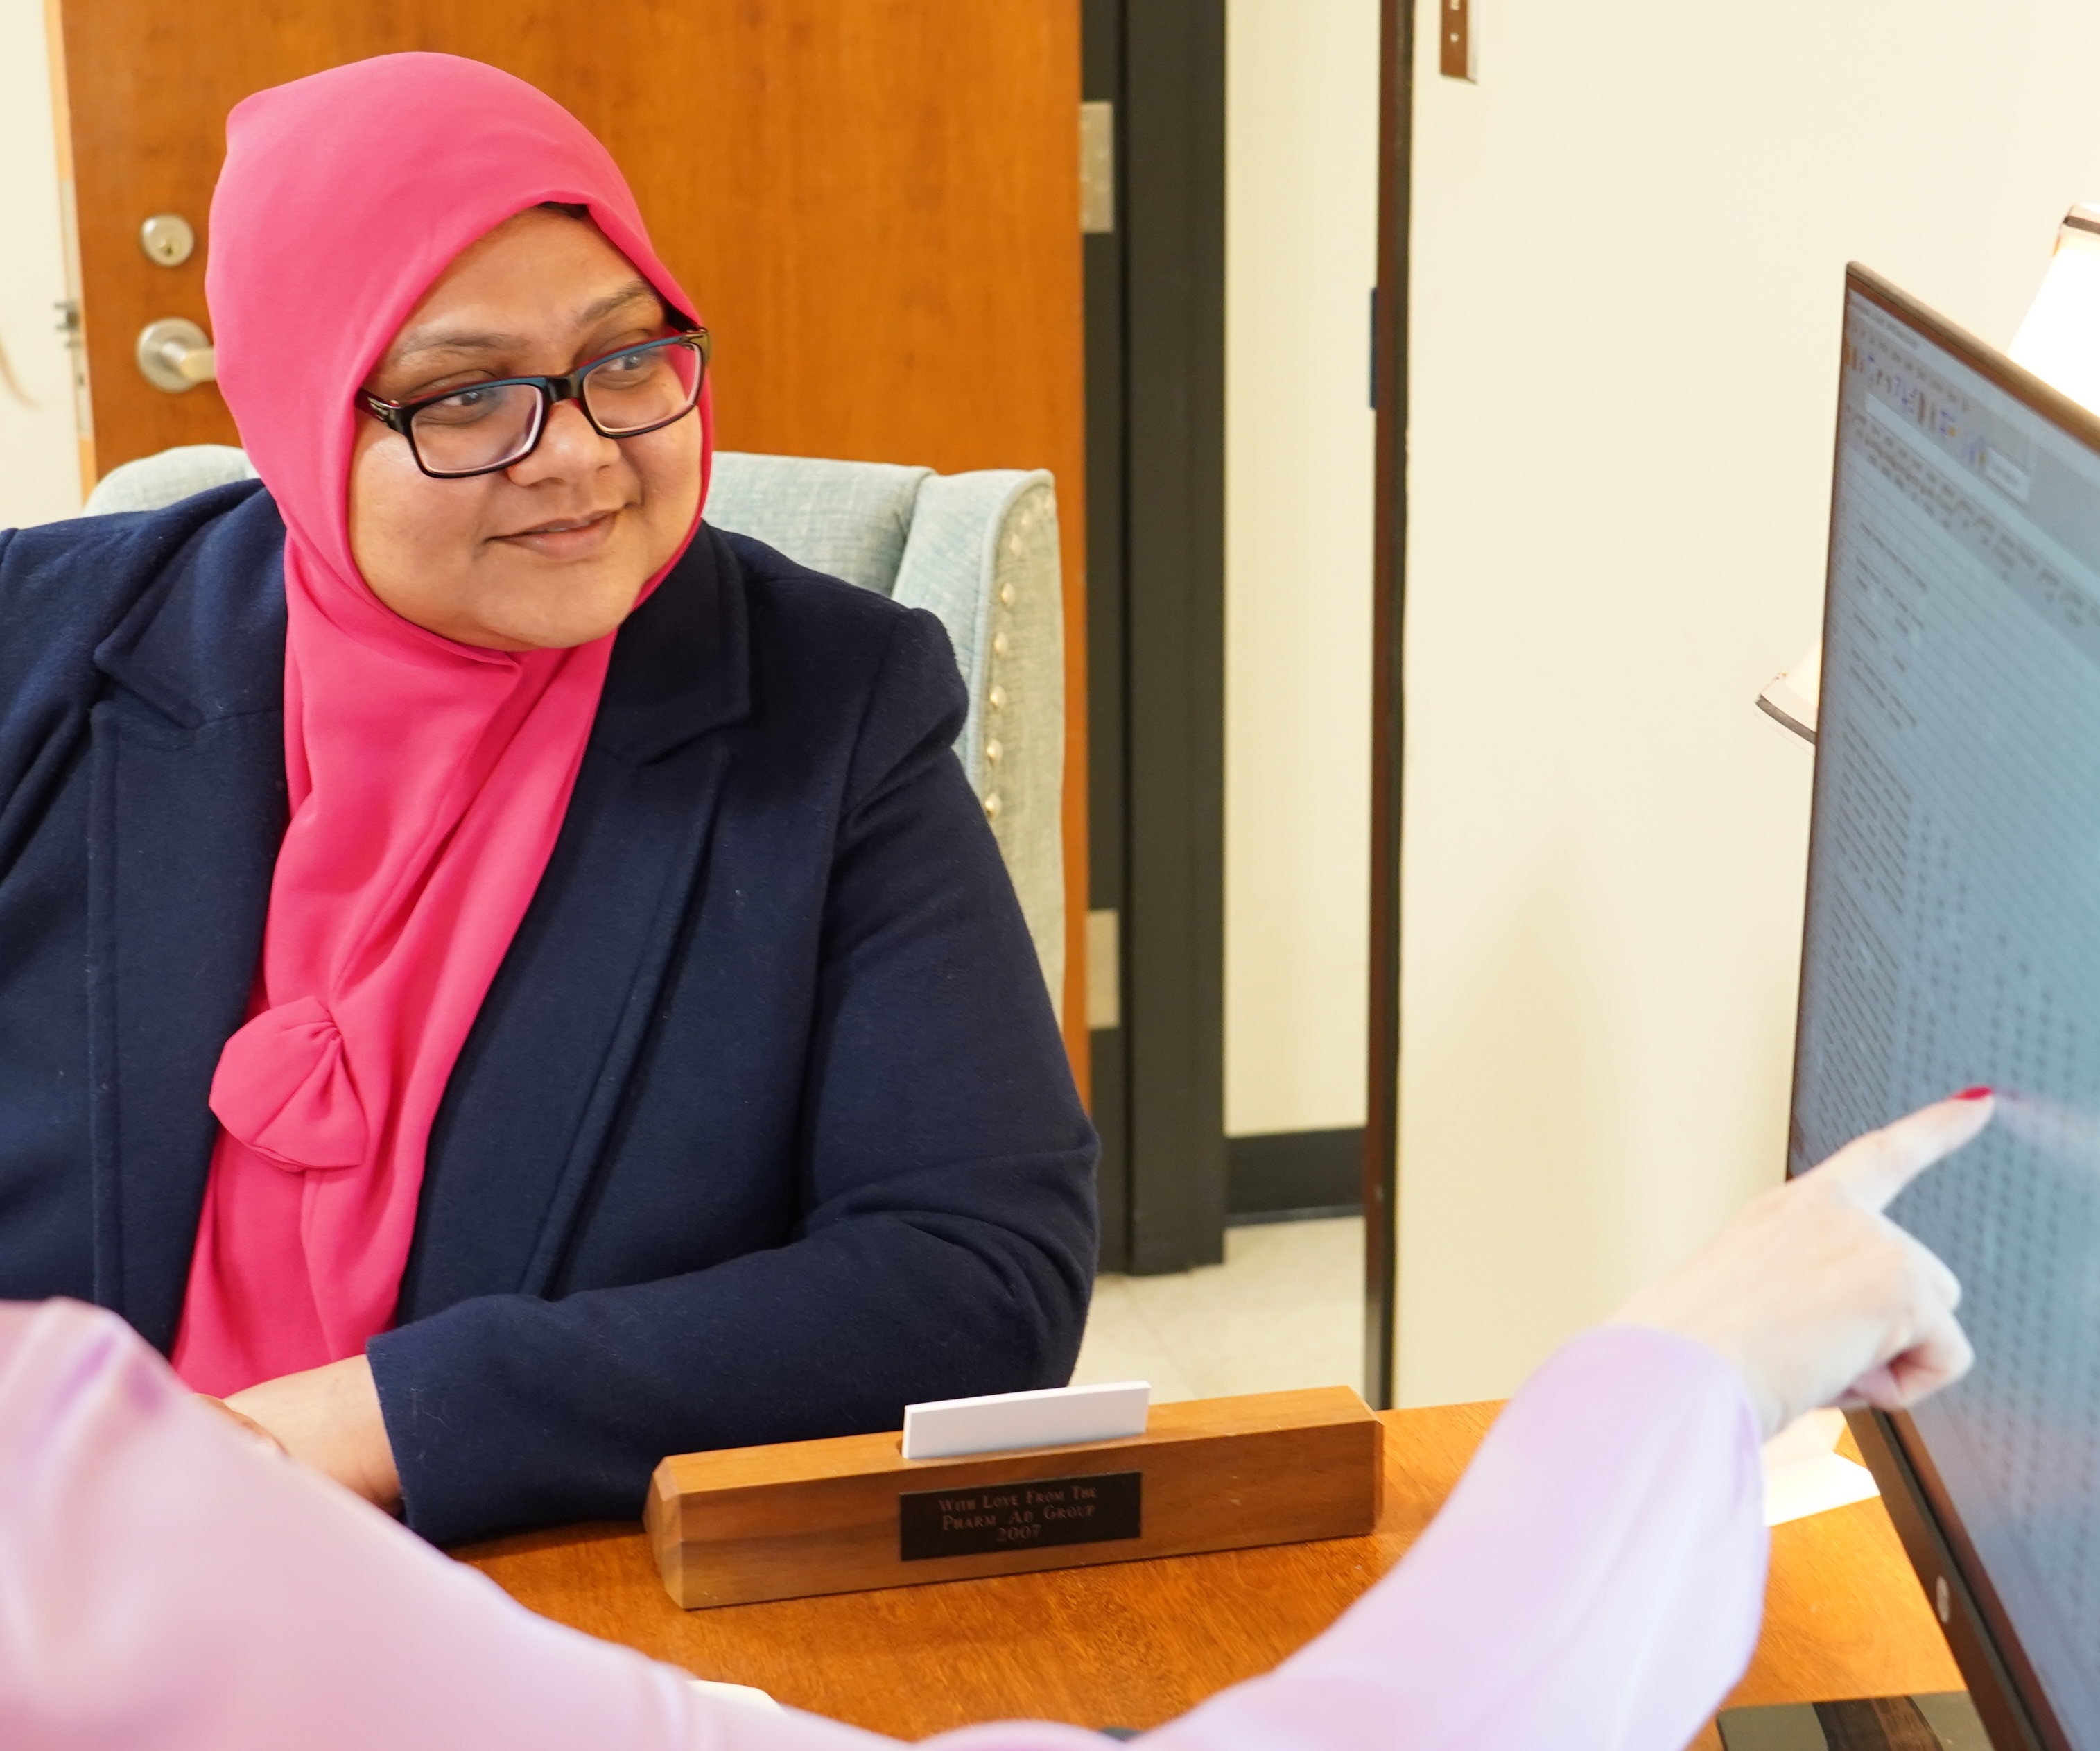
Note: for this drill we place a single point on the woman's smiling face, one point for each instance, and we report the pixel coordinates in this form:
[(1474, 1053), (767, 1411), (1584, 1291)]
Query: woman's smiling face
[(552, 551)]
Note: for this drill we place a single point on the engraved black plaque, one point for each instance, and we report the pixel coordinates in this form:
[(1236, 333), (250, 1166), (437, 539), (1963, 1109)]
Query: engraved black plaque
[(1022, 1516)]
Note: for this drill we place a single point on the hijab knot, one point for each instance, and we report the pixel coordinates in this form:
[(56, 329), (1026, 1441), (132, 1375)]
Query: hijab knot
[(284, 1087)]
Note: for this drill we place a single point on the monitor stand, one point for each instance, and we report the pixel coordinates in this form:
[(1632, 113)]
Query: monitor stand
[(1944, 1721)]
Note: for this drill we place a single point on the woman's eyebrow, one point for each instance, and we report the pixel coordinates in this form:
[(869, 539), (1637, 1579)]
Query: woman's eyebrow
[(634, 292), (454, 340), (419, 342)]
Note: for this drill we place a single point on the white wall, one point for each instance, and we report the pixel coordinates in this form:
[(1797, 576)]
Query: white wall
[(1301, 206), (39, 459), (1628, 247)]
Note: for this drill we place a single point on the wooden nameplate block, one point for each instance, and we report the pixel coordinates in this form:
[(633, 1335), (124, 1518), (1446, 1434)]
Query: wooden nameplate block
[(748, 1523)]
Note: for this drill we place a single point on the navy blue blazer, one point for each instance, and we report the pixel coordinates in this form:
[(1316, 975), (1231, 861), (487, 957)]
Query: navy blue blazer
[(765, 1129)]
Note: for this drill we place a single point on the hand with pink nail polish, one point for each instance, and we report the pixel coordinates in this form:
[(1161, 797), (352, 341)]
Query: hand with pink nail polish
[(1814, 1296)]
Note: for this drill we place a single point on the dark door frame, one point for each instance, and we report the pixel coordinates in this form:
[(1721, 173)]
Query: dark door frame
[(1155, 583), (1100, 81), (1388, 701), (1155, 485)]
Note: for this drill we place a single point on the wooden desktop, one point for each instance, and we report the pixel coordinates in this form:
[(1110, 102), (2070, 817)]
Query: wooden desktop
[(1133, 1644)]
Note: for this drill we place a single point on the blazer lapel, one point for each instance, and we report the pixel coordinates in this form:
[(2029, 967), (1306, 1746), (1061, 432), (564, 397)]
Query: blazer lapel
[(533, 1101), (187, 808)]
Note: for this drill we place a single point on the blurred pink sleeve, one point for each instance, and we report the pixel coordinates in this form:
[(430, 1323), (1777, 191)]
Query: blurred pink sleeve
[(1595, 1581), (167, 1584)]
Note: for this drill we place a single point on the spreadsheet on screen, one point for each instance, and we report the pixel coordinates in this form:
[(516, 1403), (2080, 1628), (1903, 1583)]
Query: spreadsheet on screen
[(1953, 929)]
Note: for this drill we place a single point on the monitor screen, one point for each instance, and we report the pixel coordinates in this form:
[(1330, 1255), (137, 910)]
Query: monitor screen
[(1953, 937)]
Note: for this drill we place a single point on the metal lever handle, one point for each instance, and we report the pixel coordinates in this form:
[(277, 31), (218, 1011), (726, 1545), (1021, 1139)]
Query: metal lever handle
[(175, 355)]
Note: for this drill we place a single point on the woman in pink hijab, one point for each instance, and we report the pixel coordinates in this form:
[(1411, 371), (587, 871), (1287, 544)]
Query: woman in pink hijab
[(512, 980), (1594, 1582)]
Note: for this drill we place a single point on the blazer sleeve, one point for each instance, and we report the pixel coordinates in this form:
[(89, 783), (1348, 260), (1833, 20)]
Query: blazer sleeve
[(948, 1241)]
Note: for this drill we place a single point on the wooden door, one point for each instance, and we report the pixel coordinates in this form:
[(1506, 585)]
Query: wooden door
[(876, 201)]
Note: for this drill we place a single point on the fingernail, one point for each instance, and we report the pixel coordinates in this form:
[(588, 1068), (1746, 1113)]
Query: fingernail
[(1979, 1093)]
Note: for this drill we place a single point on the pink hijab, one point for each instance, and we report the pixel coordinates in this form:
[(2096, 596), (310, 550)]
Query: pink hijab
[(427, 779)]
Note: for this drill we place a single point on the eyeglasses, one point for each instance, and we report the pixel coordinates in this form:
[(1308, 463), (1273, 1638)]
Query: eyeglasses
[(486, 426)]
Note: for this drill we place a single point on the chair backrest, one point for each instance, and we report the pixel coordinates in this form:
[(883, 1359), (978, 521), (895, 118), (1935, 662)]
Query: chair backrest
[(153, 481), (846, 519), (979, 551)]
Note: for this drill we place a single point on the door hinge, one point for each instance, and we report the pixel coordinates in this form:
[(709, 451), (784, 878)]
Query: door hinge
[(1096, 167), (1104, 971), (1459, 40)]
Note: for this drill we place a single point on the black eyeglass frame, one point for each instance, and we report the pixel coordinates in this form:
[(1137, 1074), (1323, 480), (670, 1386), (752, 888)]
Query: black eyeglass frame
[(399, 416)]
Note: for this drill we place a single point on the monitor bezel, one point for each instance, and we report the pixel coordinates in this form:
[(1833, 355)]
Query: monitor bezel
[(2002, 1683)]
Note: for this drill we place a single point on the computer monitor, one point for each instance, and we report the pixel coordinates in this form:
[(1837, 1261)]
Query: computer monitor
[(1953, 937)]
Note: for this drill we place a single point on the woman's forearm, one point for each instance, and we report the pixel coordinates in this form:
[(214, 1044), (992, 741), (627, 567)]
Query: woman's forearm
[(1597, 1579)]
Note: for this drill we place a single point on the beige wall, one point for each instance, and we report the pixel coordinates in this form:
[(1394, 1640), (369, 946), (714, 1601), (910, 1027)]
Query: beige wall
[(1300, 256), (1628, 247), (39, 464)]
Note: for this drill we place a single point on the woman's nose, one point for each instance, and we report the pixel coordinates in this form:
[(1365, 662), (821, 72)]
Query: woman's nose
[(570, 444)]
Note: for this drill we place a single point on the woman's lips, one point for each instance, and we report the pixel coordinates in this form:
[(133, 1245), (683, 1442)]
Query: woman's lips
[(566, 537)]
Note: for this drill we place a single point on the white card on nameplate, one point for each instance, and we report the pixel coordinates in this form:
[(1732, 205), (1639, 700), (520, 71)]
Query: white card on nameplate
[(998, 1421)]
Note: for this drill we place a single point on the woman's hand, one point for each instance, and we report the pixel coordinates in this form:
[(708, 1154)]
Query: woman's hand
[(247, 1426), (328, 1418), (1814, 1296)]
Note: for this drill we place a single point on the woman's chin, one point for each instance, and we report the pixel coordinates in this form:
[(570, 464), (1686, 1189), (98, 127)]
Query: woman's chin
[(551, 612)]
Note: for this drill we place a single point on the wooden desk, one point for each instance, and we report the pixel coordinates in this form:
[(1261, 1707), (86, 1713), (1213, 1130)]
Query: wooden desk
[(1133, 1644)]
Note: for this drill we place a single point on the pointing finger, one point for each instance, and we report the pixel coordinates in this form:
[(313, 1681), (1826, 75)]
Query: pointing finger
[(1869, 1171), (1941, 1355)]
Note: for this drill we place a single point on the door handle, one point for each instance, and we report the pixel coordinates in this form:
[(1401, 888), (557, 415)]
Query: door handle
[(175, 355)]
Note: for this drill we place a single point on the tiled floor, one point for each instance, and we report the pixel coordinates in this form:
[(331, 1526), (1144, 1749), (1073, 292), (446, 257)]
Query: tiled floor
[(1285, 1309)]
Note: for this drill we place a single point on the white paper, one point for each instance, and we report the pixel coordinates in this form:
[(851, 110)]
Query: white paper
[(1815, 1486), (1803, 1475), (1807, 1437), (1001, 1420), (742, 1696)]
